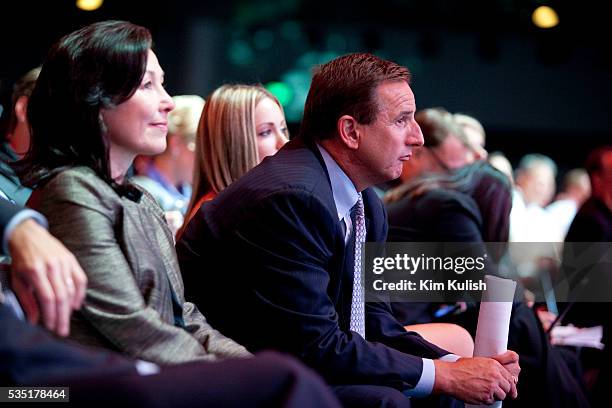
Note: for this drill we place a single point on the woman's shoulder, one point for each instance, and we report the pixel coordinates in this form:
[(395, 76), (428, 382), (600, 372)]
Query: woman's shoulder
[(78, 185), (79, 175), (441, 198)]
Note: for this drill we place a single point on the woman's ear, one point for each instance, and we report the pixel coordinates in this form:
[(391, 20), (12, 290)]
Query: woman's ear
[(21, 109), (348, 130)]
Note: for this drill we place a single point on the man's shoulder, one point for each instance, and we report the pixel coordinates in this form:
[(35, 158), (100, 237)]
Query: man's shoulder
[(294, 169), (593, 222), (292, 178)]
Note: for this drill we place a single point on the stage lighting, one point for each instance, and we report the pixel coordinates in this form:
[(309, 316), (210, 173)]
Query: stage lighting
[(89, 5), (545, 17)]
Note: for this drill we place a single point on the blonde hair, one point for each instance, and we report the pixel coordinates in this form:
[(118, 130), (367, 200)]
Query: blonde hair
[(226, 142), (184, 118), (471, 122)]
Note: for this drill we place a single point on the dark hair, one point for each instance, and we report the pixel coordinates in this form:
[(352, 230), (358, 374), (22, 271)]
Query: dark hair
[(487, 186), (23, 87), (594, 162), (98, 66), (346, 86)]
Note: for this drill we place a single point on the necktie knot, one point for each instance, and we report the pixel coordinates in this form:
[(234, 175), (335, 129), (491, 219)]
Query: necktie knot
[(357, 209)]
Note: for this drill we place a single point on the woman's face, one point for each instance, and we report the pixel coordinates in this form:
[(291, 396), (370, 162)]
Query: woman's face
[(140, 124), (270, 127)]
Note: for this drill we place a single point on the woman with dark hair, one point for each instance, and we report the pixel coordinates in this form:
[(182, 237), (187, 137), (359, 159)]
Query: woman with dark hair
[(99, 102)]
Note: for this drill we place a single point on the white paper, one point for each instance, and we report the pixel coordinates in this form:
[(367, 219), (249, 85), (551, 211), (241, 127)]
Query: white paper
[(577, 337), (494, 321)]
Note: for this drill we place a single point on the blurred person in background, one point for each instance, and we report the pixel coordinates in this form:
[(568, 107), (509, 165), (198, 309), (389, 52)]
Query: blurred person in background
[(17, 138), (535, 188), (500, 162), (169, 176), (471, 204), (576, 189), (445, 148), (593, 223), (474, 134)]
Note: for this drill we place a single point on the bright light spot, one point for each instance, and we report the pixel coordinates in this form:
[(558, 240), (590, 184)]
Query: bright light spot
[(545, 17), (282, 91), (89, 5)]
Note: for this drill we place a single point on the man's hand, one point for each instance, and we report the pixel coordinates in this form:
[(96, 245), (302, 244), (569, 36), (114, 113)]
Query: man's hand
[(478, 380), (44, 270)]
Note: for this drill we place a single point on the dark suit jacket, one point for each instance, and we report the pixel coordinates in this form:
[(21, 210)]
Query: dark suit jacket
[(265, 261)]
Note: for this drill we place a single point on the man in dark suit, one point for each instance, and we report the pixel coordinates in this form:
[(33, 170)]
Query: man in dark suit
[(593, 223), (44, 269), (271, 261)]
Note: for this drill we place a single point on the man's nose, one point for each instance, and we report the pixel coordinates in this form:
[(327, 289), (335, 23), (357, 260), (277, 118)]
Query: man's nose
[(415, 137)]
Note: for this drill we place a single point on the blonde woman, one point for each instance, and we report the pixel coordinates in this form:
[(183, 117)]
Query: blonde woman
[(240, 125)]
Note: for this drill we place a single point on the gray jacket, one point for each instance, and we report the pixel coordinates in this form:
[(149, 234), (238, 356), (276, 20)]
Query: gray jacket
[(135, 297)]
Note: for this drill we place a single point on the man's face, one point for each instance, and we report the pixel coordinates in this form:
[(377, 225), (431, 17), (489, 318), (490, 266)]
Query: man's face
[(387, 142), (538, 185), (602, 180), (452, 153)]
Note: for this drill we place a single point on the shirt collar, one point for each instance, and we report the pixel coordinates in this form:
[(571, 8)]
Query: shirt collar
[(154, 174), (344, 191)]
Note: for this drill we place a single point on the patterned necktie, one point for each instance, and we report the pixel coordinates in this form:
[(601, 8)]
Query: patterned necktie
[(357, 322)]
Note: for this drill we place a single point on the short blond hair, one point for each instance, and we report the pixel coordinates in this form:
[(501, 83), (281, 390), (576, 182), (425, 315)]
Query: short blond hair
[(183, 120), (470, 122), (226, 142)]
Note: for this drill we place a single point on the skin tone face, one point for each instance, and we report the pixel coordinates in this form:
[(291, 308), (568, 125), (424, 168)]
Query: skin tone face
[(476, 140), (602, 181), (140, 124), (453, 153), (20, 138), (387, 142), (537, 185), (449, 155), (270, 127)]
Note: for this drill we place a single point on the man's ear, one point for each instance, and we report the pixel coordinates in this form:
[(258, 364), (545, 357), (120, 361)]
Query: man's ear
[(348, 130), (21, 108)]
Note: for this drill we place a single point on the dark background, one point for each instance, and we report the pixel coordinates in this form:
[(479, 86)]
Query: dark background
[(535, 90)]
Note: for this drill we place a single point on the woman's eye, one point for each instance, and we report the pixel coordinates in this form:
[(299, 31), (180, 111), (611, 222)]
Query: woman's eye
[(285, 131), (265, 133), (147, 85)]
